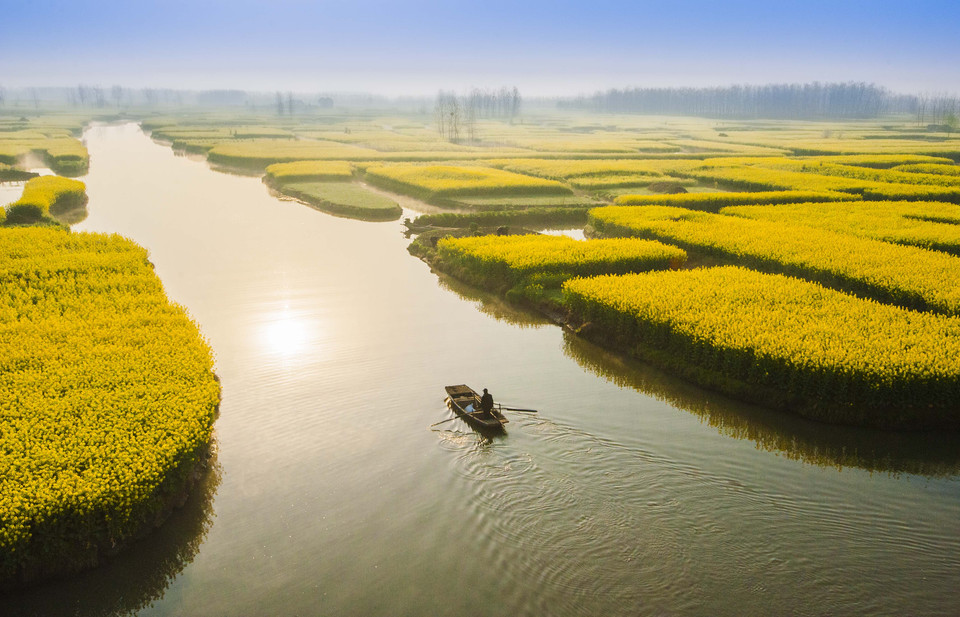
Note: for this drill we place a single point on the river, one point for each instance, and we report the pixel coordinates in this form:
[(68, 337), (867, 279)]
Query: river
[(629, 493)]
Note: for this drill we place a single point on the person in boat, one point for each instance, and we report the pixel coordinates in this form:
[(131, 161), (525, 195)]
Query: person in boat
[(486, 402)]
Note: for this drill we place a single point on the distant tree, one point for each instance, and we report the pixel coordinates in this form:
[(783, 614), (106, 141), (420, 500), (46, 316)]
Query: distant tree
[(279, 103), (951, 122), (35, 97), (290, 103), (922, 100), (99, 98), (151, 96), (116, 93), (470, 120), (448, 114), (514, 103), (325, 102), (3, 95)]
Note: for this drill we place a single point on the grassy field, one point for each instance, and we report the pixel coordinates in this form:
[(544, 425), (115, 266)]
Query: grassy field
[(344, 199)]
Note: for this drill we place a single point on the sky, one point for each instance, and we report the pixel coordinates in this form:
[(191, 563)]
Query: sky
[(415, 48)]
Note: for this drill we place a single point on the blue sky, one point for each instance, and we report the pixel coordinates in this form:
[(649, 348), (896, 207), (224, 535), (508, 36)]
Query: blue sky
[(543, 47)]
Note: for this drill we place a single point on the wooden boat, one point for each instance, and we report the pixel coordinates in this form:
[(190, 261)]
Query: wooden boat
[(465, 402)]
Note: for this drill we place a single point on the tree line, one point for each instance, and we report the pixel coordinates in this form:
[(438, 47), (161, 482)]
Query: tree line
[(777, 101)]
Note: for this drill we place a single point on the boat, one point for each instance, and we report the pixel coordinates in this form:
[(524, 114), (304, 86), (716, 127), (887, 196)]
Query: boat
[(465, 402)]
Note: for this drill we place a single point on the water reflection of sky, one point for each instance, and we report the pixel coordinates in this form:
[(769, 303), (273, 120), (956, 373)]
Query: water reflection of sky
[(576, 234), (11, 191)]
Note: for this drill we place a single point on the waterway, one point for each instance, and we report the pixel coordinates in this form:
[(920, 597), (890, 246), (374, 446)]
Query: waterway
[(629, 493)]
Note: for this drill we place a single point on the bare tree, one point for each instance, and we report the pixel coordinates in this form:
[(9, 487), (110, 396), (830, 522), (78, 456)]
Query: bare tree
[(116, 93), (440, 113), (514, 103), (35, 97), (470, 119), (922, 101)]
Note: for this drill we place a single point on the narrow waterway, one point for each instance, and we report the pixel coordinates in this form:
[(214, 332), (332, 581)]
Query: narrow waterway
[(629, 493)]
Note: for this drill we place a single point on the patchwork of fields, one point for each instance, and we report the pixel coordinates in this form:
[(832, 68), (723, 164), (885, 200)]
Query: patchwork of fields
[(867, 212), (810, 267)]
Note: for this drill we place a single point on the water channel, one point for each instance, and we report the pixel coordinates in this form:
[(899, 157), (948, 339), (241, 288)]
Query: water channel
[(629, 493)]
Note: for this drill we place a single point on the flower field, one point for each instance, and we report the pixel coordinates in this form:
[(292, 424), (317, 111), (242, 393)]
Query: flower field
[(107, 399), (930, 225), (552, 259), (55, 145), (904, 275), (827, 354), (309, 171), (442, 181), (854, 206), (714, 201), (47, 193)]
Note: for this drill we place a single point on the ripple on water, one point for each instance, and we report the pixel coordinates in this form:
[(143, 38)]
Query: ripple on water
[(608, 553)]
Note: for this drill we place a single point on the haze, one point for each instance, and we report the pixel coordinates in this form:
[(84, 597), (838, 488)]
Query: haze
[(415, 48)]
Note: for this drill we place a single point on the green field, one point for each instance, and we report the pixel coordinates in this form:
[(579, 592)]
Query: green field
[(344, 199)]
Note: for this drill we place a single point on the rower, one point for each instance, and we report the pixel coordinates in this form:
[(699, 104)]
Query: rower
[(486, 402)]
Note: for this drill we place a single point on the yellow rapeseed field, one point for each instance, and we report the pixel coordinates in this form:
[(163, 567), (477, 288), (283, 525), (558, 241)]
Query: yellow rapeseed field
[(824, 352), (931, 225), (905, 275), (46, 192), (514, 257), (450, 180), (309, 171), (107, 395)]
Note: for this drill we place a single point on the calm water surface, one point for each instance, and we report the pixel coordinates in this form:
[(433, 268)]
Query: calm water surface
[(630, 493)]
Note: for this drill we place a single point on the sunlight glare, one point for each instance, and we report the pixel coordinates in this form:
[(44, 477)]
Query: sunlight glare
[(287, 334)]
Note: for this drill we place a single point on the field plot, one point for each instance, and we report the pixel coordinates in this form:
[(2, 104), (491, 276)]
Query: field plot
[(447, 181), (714, 201), (540, 262), (903, 275), (344, 199), (258, 154), (308, 171), (842, 359), (49, 140), (108, 399), (930, 225)]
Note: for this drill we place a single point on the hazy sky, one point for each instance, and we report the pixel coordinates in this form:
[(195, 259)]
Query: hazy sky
[(543, 47)]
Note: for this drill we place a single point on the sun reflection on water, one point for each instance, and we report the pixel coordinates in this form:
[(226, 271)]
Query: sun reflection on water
[(288, 334)]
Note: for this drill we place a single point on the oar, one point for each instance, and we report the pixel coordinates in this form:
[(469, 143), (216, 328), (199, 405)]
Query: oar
[(499, 406), (453, 418)]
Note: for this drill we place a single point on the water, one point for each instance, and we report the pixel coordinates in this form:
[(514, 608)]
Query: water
[(630, 493)]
